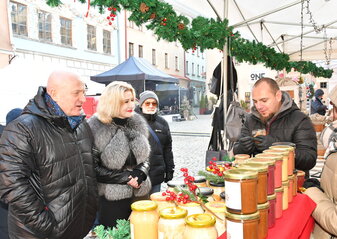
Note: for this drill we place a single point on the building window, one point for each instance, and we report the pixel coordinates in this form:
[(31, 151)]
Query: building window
[(91, 37), (140, 51), (203, 73), (154, 60), (44, 25), (131, 49), (198, 70), (66, 31), (166, 61), (176, 63), (193, 69), (187, 70), (106, 41), (19, 18), (323, 85)]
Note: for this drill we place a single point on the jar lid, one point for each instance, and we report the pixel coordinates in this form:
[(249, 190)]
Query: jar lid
[(173, 213), (255, 166), (263, 205), (255, 215), (291, 177), (176, 183), (285, 183), (277, 151), (300, 173), (284, 143), (158, 196), (263, 161), (270, 156), (283, 147), (216, 206), (280, 189), (223, 195), (240, 174), (144, 205), (205, 191), (242, 156), (271, 197), (200, 220), (199, 179), (217, 184)]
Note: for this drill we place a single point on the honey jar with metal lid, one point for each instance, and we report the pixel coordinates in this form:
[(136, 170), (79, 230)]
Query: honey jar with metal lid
[(285, 199), (284, 154), (279, 202), (291, 156), (262, 179), (242, 226), (217, 187), (218, 208), (200, 226), (241, 158), (171, 224), (200, 181), (270, 174), (161, 200), (144, 220), (263, 223), (241, 191), (272, 210), (278, 166)]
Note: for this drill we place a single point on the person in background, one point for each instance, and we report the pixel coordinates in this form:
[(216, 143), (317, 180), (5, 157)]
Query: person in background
[(316, 105), (276, 118), (47, 175), (161, 157), (11, 115), (122, 149), (324, 193)]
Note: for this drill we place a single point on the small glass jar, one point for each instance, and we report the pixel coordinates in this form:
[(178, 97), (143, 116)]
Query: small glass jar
[(200, 226), (217, 187), (279, 202), (263, 223), (285, 202), (242, 226), (278, 157), (300, 179), (218, 208), (262, 179), (284, 155), (290, 188), (272, 210), (192, 208), (200, 181), (171, 224), (260, 158), (207, 192), (241, 158), (241, 191), (144, 220), (291, 156), (161, 200)]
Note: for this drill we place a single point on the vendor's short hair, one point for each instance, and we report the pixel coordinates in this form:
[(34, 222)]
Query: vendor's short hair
[(272, 84), (110, 101)]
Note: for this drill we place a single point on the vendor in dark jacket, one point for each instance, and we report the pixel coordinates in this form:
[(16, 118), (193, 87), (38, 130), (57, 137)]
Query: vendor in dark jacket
[(276, 113), (47, 176), (161, 157), (317, 105)]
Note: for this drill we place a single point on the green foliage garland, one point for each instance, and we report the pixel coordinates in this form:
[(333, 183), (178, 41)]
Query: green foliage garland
[(205, 33)]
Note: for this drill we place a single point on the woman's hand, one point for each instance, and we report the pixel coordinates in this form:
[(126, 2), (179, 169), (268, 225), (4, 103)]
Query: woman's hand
[(133, 182)]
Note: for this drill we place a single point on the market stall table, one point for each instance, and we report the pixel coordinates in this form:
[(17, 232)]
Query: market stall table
[(296, 222)]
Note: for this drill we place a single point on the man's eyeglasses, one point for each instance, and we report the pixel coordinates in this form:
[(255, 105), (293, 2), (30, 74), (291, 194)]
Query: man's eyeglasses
[(150, 103)]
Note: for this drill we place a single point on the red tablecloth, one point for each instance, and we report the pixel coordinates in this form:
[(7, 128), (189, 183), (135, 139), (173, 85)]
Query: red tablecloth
[(296, 222)]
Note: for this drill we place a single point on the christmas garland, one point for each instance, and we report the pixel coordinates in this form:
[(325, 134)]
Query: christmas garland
[(205, 33)]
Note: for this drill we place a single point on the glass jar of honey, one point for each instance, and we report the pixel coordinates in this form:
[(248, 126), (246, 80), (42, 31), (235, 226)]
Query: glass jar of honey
[(278, 166), (218, 208), (263, 223), (171, 224), (290, 188), (200, 226), (279, 202), (300, 179), (161, 200), (144, 220), (285, 199), (217, 187), (192, 208), (241, 158), (270, 160), (200, 181), (241, 191), (242, 226), (272, 210), (291, 154)]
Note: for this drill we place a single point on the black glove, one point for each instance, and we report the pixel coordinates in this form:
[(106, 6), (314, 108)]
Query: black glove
[(141, 171), (263, 142), (168, 176), (247, 143), (312, 182)]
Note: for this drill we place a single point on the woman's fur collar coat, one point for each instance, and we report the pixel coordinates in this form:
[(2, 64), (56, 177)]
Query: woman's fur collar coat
[(115, 142)]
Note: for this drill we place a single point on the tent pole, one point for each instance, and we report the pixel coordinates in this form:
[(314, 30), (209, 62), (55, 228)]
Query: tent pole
[(224, 79)]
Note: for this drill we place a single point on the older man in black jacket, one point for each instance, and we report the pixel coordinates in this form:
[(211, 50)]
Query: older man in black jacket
[(46, 166), (277, 115)]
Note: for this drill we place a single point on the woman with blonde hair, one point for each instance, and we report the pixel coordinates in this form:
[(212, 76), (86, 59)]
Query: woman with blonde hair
[(122, 152)]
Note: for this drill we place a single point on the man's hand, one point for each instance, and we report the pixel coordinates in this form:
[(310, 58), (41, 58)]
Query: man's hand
[(247, 143), (263, 142)]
